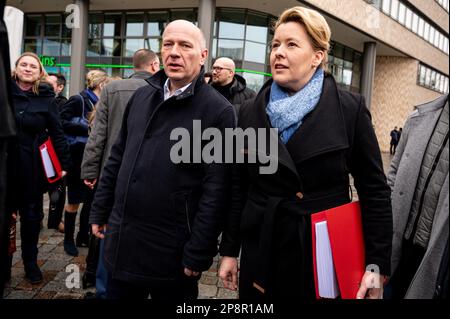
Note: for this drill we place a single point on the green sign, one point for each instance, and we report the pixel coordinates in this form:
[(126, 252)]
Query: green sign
[(48, 60)]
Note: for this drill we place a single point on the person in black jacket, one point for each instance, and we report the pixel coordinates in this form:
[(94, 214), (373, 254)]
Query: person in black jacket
[(163, 218), (75, 115), (7, 134), (231, 85), (57, 191), (37, 119), (324, 134)]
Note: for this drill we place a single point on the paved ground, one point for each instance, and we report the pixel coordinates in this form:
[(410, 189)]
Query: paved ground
[(53, 262)]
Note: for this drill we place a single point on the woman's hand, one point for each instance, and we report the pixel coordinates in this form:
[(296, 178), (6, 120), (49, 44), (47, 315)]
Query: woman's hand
[(228, 272), (371, 286), (63, 173)]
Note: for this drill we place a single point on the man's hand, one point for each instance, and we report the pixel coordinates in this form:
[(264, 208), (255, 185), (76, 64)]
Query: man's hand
[(228, 272), (90, 183), (371, 286), (188, 272), (97, 230)]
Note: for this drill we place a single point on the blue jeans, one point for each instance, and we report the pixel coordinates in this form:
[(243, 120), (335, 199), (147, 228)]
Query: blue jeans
[(101, 277)]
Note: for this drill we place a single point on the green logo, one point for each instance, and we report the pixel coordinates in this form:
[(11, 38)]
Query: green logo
[(48, 60)]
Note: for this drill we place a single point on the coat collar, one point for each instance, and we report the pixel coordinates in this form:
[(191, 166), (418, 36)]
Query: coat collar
[(323, 130), (160, 77)]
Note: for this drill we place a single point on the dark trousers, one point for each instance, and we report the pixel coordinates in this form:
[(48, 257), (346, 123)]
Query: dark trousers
[(57, 195), (31, 213), (392, 148), (183, 288)]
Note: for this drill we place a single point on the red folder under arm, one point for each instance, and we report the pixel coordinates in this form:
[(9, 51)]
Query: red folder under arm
[(347, 246)]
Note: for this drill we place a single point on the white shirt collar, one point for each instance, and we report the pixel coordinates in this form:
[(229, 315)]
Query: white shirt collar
[(176, 93)]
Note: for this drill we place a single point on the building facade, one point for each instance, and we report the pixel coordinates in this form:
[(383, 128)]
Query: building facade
[(394, 52)]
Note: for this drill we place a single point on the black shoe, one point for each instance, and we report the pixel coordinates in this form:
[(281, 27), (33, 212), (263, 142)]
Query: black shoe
[(33, 274), (82, 240), (88, 280), (70, 248)]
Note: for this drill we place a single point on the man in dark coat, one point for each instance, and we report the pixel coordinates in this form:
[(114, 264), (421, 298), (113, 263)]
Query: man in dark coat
[(58, 81), (163, 219), (7, 132), (395, 136), (232, 86)]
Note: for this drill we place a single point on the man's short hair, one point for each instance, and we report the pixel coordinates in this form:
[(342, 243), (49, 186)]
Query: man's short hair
[(143, 57), (60, 79)]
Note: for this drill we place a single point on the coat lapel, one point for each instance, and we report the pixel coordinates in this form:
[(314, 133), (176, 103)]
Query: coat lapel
[(323, 130)]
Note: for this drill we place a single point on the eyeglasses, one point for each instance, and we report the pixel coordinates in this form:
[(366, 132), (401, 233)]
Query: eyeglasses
[(219, 69)]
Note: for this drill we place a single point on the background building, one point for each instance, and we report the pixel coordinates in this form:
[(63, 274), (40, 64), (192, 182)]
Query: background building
[(394, 52)]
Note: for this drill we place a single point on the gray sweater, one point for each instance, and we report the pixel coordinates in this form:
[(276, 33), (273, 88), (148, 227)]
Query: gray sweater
[(108, 121)]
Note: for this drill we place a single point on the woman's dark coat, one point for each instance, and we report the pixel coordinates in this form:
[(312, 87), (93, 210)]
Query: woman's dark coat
[(270, 219), (37, 119)]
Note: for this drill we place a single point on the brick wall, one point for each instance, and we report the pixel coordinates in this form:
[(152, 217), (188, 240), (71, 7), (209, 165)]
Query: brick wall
[(395, 94)]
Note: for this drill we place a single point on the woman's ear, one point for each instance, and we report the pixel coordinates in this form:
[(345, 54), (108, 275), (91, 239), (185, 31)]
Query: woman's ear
[(318, 58)]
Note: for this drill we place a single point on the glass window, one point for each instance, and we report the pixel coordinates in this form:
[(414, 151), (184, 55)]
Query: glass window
[(409, 18), (386, 6), (446, 85), (66, 47), (34, 24), (441, 41), (433, 79), (256, 28), (446, 45), (255, 52), (112, 25), (427, 77), (422, 75), (436, 38), (111, 47), (185, 14), (131, 46), (348, 54), (94, 47), (33, 45), (254, 81), (415, 23), (51, 47), (52, 25), (156, 23), (438, 81), (401, 13), (232, 23), (426, 32), (95, 25), (337, 50), (421, 26), (347, 77), (231, 49), (214, 49), (431, 37), (394, 9), (135, 24), (153, 44)]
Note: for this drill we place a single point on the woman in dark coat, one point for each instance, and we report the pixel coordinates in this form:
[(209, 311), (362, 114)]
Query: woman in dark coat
[(36, 118), (325, 134), (75, 115)]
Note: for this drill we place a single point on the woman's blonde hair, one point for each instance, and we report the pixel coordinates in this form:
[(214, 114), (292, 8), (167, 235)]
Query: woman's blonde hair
[(42, 73), (315, 26), (95, 78)]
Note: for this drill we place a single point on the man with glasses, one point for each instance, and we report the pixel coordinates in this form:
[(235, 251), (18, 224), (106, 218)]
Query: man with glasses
[(232, 86)]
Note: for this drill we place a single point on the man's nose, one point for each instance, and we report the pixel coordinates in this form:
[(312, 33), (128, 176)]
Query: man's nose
[(175, 51)]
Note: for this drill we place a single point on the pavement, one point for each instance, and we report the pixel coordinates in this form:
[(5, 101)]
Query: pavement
[(62, 273)]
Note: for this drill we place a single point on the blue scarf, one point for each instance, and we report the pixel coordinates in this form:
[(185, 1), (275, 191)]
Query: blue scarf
[(286, 112), (92, 97)]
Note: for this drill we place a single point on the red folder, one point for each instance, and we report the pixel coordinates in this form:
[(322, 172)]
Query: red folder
[(347, 246), (52, 166)]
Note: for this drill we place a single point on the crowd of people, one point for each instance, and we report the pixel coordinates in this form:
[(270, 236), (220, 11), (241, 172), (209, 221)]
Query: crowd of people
[(153, 226)]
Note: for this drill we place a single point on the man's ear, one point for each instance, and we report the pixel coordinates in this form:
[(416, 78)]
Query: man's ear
[(204, 56)]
